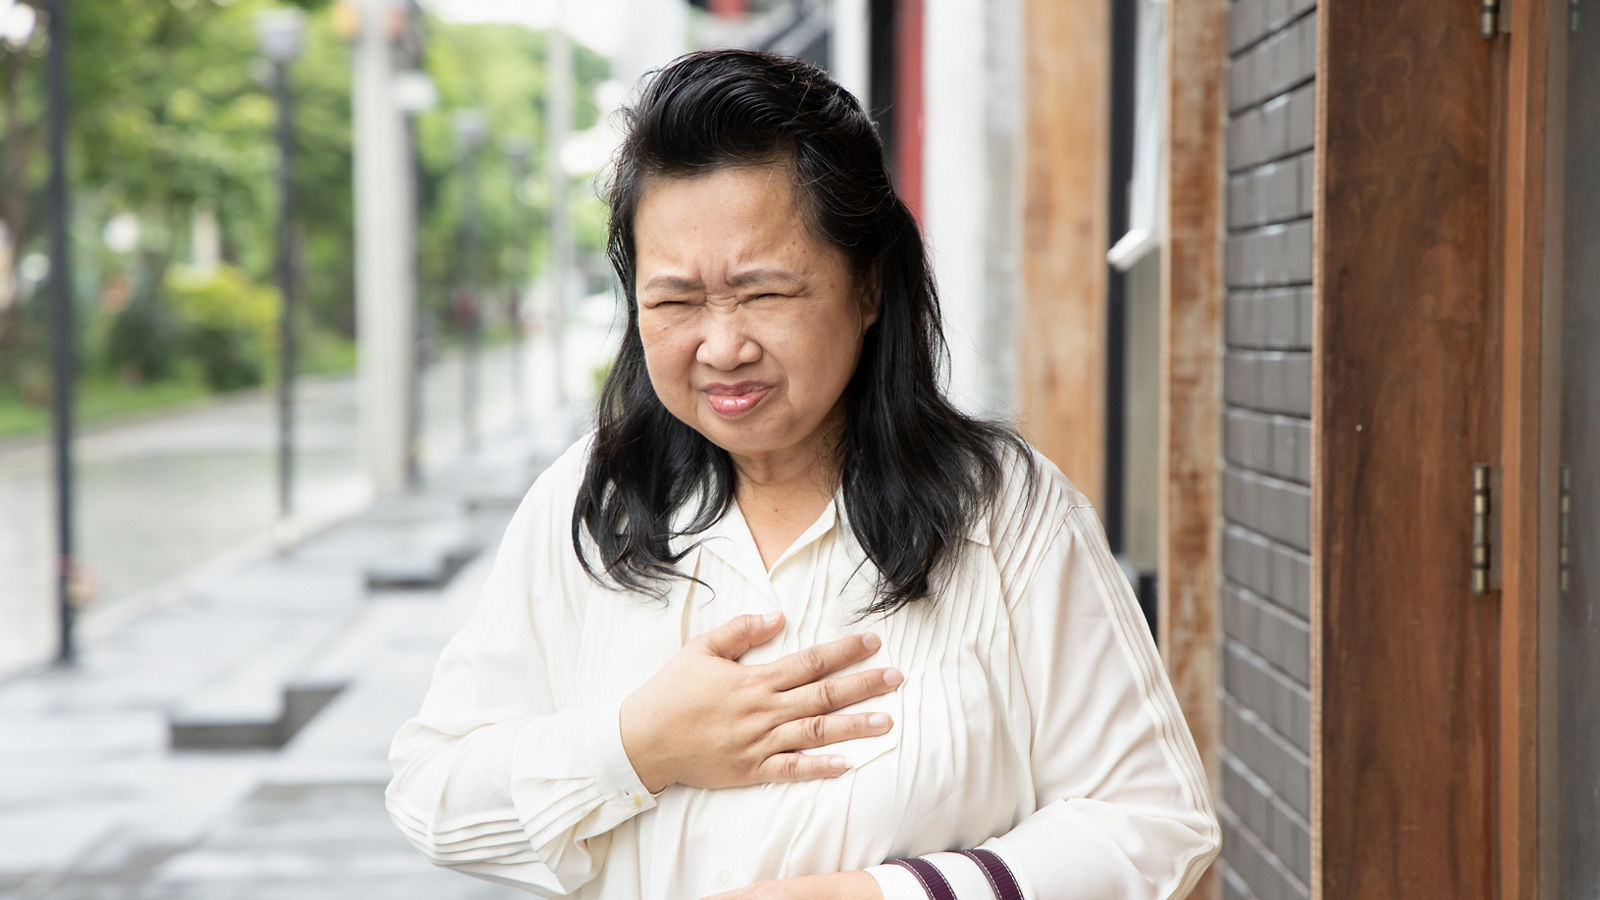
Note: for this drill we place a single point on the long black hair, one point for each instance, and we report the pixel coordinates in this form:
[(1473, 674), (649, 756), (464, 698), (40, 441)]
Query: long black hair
[(916, 472)]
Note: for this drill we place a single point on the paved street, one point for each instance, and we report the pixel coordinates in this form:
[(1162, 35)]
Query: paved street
[(163, 501), (97, 798)]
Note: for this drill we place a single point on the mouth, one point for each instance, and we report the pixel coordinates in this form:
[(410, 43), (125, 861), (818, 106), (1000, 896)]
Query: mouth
[(731, 401)]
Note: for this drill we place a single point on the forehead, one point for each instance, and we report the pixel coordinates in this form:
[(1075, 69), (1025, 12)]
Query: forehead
[(728, 214)]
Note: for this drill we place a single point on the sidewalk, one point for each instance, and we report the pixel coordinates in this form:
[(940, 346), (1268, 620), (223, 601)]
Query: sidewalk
[(161, 499), (186, 756)]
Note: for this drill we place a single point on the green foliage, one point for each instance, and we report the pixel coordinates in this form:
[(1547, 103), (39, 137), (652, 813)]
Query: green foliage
[(143, 341), (227, 323), (172, 112), (499, 70)]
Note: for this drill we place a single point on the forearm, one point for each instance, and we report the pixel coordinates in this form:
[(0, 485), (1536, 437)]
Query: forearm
[(832, 886), (528, 791)]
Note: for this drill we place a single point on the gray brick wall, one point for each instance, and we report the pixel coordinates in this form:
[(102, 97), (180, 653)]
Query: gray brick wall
[(1264, 596)]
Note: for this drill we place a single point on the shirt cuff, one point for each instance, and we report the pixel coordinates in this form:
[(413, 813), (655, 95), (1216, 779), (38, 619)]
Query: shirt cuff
[(618, 770), (584, 752)]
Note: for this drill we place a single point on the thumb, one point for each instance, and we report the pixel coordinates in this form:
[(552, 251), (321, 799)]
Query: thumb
[(733, 639)]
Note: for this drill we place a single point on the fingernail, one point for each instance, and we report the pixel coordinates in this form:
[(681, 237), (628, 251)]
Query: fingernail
[(893, 677), (878, 720), (870, 641), (838, 762), (772, 617)]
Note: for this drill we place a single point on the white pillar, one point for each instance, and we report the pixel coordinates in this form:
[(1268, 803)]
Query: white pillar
[(657, 33), (385, 291), (953, 160), (849, 48), (971, 206)]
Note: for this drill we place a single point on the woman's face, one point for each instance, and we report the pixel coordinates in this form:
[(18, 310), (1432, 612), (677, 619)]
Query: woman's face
[(751, 327)]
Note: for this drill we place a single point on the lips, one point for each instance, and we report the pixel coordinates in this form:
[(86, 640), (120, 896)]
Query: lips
[(734, 400)]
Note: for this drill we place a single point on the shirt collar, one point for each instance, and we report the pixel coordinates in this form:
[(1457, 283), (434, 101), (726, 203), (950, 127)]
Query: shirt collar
[(730, 539)]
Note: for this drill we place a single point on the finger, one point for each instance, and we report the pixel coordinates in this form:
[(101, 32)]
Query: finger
[(781, 767), (820, 660), (820, 731), (735, 638), (836, 693)]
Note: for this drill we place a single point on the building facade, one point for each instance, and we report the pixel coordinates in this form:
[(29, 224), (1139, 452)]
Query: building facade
[(1302, 294)]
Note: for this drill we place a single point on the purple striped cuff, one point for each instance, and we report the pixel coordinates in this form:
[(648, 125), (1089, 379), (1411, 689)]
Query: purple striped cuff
[(932, 880), (1001, 881)]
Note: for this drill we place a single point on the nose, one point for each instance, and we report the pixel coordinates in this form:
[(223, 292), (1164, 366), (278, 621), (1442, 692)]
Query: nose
[(726, 344)]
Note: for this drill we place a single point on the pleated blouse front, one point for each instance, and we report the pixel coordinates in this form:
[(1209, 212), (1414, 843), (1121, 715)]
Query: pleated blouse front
[(1035, 719)]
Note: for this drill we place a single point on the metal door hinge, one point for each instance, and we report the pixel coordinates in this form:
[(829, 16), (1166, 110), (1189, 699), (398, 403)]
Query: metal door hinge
[(1482, 528), (1564, 532), (1494, 18)]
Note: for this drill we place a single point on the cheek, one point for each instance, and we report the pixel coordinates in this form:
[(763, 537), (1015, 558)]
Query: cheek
[(667, 354)]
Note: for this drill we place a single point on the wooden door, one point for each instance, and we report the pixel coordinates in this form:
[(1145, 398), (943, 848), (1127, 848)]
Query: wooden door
[(1405, 403)]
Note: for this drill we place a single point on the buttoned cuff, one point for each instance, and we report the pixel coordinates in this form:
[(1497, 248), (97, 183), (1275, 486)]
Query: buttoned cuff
[(573, 775), (619, 774)]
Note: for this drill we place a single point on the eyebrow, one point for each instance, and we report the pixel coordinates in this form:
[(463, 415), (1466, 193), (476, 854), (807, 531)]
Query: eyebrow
[(677, 283), (761, 276), (672, 283)]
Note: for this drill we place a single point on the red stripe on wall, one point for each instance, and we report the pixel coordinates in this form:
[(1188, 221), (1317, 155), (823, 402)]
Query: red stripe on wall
[(908, 102)]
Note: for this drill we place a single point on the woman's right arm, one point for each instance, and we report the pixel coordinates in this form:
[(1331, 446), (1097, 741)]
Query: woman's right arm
[(491, 777)]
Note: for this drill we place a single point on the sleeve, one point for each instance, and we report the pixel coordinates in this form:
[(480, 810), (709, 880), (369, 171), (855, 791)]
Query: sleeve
[(491, 778), (1123, 805)]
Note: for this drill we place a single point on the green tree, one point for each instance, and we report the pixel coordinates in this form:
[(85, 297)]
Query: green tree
[(499, 70)]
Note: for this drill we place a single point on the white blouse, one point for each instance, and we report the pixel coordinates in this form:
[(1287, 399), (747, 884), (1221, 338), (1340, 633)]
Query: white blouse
[(1035, 720)]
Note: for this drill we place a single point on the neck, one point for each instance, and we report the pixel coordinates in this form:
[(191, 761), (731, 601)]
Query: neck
[(810, 470)]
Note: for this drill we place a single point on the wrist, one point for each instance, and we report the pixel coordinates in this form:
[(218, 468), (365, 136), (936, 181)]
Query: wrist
[(638, 744), (859, 886)]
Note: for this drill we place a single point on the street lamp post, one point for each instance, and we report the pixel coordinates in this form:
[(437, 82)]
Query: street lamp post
[(470, 130), (520, 153), (62, 363), (281, 35), (558, 124), (415, 93)]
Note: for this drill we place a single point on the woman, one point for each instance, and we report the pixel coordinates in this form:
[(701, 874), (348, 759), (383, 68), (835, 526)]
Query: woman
[(788, 624)]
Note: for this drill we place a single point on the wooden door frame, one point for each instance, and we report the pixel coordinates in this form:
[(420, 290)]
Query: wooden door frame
[(1530, 444), (1519, 534)]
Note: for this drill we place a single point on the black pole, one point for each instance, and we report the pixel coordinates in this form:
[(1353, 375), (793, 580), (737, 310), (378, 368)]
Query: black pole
[(62, 363), (1124, 45), (469, 297), (285, 275)]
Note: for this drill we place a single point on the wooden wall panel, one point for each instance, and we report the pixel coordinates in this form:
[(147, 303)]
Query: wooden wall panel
[(1062, 327), (1191, 341), (1405, 401), (1523, 222)]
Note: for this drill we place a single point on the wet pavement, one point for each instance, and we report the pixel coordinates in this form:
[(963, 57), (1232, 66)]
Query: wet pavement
[(168, 500), (97, 800)]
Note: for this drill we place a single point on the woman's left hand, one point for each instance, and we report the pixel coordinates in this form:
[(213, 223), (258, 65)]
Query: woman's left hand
[(836, 886)]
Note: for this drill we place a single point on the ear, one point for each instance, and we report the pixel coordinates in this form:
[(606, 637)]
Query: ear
[(871, 298)]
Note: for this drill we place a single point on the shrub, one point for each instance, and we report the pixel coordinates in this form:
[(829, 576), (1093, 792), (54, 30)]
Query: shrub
[(143, 340), (228, 324)]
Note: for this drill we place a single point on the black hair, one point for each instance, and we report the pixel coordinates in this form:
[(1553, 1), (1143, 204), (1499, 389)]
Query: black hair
[(916, 472)]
